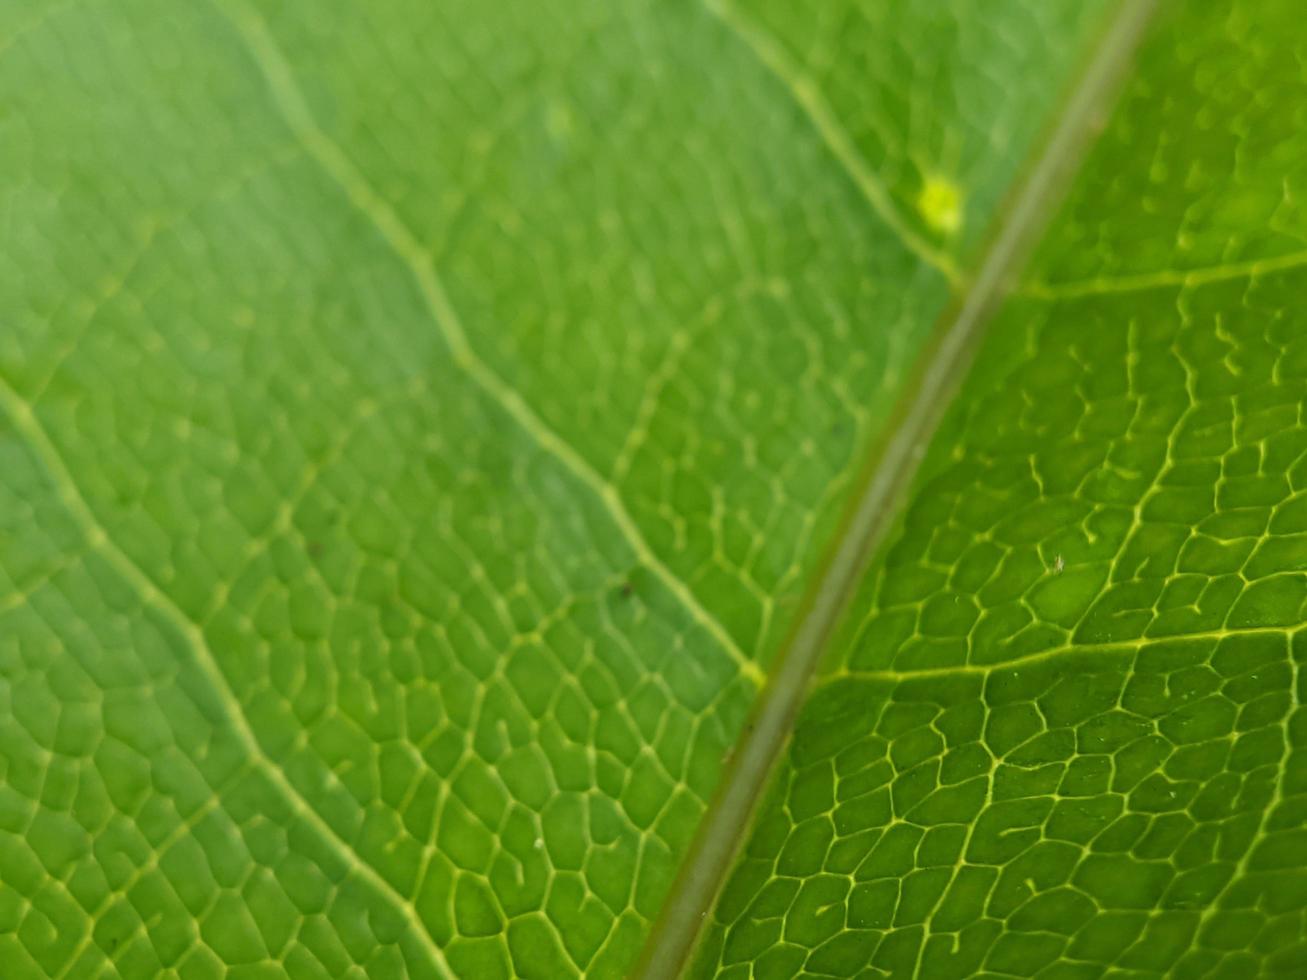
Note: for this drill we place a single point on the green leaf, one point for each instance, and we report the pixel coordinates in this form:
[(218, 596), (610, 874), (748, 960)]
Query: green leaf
[(420, 423), (1060, 732)]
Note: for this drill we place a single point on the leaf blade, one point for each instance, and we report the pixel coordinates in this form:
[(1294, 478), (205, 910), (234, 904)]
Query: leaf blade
[(400, 574), (1037, 721)]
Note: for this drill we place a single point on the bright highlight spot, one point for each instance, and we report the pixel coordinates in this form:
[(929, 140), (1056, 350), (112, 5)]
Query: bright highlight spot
[(940, 204)]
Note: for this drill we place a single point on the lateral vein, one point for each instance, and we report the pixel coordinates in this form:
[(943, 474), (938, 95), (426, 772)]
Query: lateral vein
[(97, 537), (405, 244), (1183, 278), (1106, 649), (809, 98)]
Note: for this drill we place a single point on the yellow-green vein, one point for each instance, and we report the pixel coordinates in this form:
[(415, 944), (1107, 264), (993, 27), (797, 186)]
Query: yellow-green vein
[(333, 160), (26, 423)]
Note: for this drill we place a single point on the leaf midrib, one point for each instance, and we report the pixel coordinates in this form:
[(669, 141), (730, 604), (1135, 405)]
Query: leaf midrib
[(872, 511)]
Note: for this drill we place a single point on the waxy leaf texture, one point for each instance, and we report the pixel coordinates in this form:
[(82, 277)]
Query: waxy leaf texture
[(1061, 732), (422, 421)]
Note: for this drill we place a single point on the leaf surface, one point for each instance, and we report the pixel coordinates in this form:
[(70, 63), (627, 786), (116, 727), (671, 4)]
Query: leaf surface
[(1060, 732), (419, 422)]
